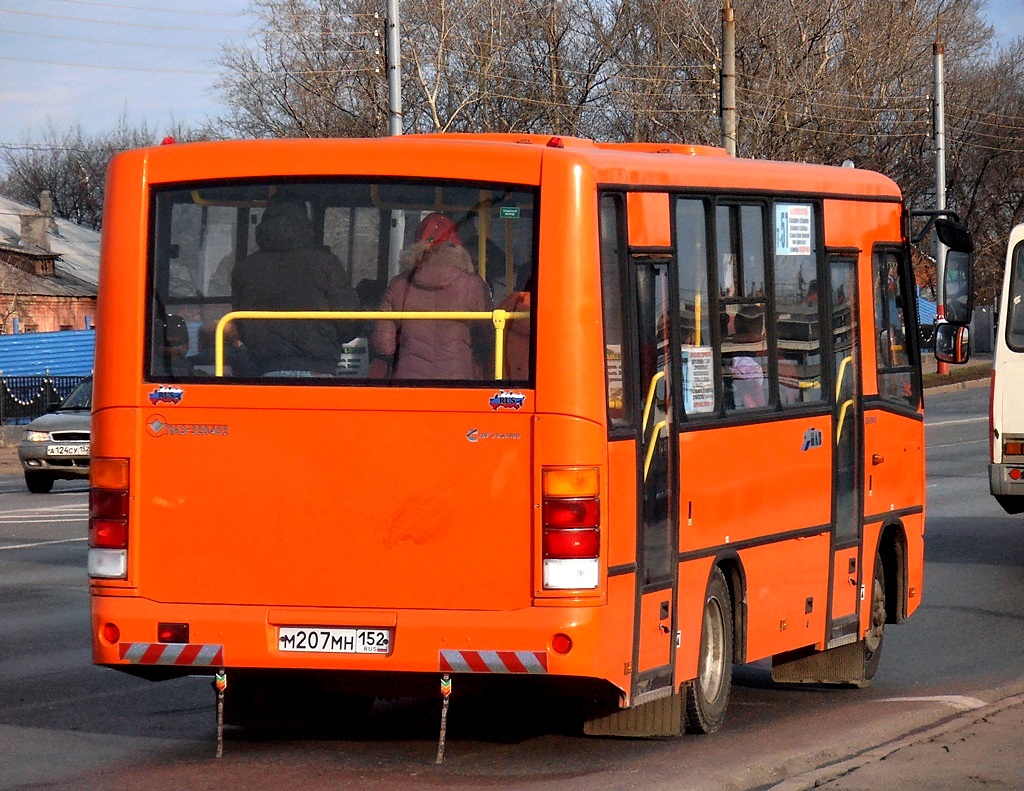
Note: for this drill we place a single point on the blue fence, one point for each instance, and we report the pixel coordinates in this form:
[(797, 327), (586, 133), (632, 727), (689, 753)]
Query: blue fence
[(23, 398)]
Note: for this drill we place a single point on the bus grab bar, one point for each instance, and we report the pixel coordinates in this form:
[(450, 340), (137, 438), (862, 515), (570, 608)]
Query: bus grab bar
[(498, 317)]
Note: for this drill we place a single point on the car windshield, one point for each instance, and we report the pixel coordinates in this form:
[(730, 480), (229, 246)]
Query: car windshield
[(80, 398)]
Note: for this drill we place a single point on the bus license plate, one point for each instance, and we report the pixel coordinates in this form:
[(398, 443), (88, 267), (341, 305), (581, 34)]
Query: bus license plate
[(67, 450), (331, 640)]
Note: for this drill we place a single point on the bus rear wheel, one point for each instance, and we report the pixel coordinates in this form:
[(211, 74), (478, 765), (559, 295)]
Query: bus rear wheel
[(875, 634), (707, 696)]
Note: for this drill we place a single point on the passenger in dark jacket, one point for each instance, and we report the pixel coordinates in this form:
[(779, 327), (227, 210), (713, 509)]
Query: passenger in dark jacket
[(290, 272), (437, 275)]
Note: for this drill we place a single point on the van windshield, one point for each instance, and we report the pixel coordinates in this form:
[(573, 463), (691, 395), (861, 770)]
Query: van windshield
[(1015, 302), (342, 282)]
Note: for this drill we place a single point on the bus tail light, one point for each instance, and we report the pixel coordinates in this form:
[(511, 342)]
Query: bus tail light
[(571, 531), (108, 518)]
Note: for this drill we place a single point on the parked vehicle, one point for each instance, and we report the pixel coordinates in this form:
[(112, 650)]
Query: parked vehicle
[(1006, 407), (56, 445)]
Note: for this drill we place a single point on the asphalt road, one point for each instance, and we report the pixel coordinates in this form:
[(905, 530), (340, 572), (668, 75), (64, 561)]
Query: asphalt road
[(66, 724)]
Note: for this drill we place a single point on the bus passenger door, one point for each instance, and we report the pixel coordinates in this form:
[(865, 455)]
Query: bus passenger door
[(847, 472), (657, 544)]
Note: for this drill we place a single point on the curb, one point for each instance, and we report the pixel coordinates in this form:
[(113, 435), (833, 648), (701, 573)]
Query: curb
[(969, 384), (815, 778)]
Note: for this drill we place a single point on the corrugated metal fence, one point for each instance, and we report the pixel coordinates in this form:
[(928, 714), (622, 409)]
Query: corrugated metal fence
[(23, 398)]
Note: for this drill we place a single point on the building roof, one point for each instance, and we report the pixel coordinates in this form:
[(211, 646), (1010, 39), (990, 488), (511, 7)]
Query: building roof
[(66, 353), (77, 267)]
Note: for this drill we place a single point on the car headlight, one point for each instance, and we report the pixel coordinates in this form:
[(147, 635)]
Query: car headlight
[(36, 436)]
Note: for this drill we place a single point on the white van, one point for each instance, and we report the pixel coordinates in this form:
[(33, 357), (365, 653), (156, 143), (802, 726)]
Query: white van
[(1006, 411)]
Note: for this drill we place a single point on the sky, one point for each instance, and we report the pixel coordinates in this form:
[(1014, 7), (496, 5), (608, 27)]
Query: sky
[(90, 62)]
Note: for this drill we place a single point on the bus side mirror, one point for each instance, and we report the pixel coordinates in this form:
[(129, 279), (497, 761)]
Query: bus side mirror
[(954, 235), (952, 343), (958, 274)]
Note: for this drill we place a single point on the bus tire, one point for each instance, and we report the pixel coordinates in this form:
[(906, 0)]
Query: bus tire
[(707, 696), (1011, 503), (38, 482), (875, 635)]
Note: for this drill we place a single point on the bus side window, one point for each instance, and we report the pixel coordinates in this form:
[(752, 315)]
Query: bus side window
[(744, 370), (744, 357), (613, 247), (697, 352), (896, 375)]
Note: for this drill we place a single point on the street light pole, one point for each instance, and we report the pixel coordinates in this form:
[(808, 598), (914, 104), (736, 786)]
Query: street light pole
[(938, 50), (728, 84)]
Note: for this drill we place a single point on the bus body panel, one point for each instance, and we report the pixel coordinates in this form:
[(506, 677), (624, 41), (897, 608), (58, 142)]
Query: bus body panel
[(893, 461), (305, 515), (743, 483)]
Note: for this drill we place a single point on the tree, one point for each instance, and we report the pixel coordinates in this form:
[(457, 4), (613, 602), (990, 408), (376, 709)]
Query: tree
[(72, 165)]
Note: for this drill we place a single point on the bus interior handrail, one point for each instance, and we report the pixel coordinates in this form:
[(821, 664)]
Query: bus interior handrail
[(497, 317)]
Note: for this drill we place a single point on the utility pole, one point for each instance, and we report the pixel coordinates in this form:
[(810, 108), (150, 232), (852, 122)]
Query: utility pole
[(394, 70), (728, 80), (397, 232), (939, 122)]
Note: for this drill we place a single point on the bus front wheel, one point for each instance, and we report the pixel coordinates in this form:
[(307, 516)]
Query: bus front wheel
[(707, 696)]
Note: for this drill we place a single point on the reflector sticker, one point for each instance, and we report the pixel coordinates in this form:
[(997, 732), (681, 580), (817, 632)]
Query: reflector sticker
[(179, 654), (493, 661)]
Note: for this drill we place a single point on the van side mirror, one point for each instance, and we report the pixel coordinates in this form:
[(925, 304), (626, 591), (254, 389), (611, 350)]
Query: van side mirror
[(952, 343)]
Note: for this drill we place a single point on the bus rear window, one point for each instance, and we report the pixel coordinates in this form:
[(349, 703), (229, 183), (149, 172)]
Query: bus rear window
[(363, 283)]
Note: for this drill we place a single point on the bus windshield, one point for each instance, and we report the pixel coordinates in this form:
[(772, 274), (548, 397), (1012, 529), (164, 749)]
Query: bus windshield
[(353, 281)]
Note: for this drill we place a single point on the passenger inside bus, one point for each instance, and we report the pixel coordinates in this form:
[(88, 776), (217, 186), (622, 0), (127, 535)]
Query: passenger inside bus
[(517, 331), (437, 275), (174, 348), (744, 377), (292, 272), (237, 360)]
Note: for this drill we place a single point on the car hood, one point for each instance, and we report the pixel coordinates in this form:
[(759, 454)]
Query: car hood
[(61, 420)]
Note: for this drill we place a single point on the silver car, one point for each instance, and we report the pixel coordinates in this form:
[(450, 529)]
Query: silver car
[(56, 445)]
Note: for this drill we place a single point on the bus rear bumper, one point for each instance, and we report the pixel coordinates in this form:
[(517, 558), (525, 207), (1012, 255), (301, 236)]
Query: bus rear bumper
[(527, 642), (1001, 482), (1007, 489)]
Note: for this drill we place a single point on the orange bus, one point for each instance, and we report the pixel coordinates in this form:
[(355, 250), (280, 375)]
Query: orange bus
[(667, 418)]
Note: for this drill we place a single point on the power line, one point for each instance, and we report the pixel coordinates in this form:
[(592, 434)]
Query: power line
[(107, 68), (84, 40), (118, 23), (161, 10)]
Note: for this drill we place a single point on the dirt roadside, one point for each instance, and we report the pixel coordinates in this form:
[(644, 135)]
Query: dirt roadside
[(9, 464)]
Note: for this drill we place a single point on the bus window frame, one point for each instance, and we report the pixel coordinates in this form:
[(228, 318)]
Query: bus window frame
[(1016, 274), (911, 323), (766, 201), (158, 269)]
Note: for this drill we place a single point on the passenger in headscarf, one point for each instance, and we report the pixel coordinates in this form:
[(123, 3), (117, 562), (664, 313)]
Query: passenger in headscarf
[(437, 275)]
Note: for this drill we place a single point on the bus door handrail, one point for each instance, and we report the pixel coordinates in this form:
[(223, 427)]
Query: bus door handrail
[(655, 433), (497, 317), (848, 360), (650, 398)]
